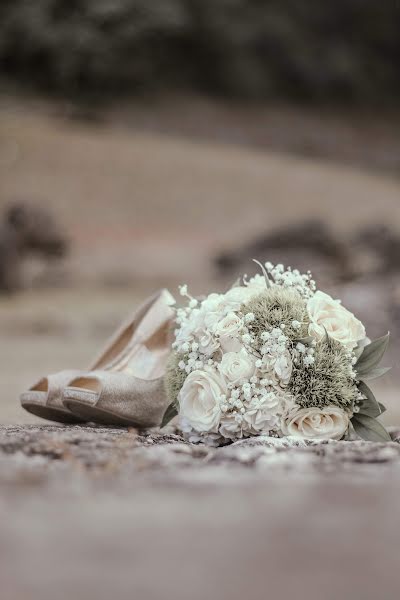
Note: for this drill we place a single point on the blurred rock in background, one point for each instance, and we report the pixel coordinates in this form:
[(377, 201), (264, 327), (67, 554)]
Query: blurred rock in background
[(26, 231), (310, 245), (370, 252)]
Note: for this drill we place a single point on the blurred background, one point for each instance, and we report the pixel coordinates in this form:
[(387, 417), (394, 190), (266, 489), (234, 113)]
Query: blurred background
[(147, 143)]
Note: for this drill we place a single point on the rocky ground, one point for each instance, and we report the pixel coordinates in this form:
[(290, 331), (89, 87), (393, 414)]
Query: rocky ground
[(97, 513)]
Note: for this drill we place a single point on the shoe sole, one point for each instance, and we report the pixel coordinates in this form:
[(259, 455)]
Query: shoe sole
[(101, 416), (51, 414)]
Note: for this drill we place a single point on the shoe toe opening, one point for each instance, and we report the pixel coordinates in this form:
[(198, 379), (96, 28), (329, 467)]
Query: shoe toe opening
[(41, 386), (86, 383)]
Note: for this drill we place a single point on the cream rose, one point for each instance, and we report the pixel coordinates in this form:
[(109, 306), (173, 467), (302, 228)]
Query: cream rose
[(236, 367), (328, 315), (228, 330), (200, 399), (314, 423)]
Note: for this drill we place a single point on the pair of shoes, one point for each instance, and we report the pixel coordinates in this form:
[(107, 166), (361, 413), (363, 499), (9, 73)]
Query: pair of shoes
[(125, 384)]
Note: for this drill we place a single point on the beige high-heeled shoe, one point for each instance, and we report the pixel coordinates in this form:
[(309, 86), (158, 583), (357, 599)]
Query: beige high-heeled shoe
[(131, 391), (45, 398)]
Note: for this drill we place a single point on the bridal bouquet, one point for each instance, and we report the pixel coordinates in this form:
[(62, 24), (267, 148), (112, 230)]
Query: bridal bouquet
[(273, 356)]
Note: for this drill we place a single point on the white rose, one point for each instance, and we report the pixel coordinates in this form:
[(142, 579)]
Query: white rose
[(231, 427), (228, 330), (208, 345), (328, 423), (264, 413), (199, 399), (260, 420), (327, 314), (283, 368), (217, 306), (236, 367), (213, 309)]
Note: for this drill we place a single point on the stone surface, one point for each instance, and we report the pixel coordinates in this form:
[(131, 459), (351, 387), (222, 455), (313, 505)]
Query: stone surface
[(91, 512)]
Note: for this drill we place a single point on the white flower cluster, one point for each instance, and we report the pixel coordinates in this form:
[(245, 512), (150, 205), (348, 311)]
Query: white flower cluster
[(304, 355), (302, 283), (236, 386)]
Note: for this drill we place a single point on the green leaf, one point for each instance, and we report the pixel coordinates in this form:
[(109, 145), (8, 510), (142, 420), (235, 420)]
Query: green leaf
[(357, 352), (372, 355), (169, 414), (382, 407), (374, 373), (360, 347), (368, 428), (369, 405)]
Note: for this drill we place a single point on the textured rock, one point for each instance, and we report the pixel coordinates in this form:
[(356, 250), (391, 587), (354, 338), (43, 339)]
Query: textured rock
[(90, 512)]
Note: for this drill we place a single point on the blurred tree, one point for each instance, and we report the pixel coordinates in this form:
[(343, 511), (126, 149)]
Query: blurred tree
[(348, 50)]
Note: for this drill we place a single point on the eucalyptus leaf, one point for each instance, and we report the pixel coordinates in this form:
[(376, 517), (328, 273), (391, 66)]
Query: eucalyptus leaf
[(363, 342), (372, 355), (169, 414), (382, 407), (360, 347), (358, 351), (368, 428), (369, 405), (374, 373)]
